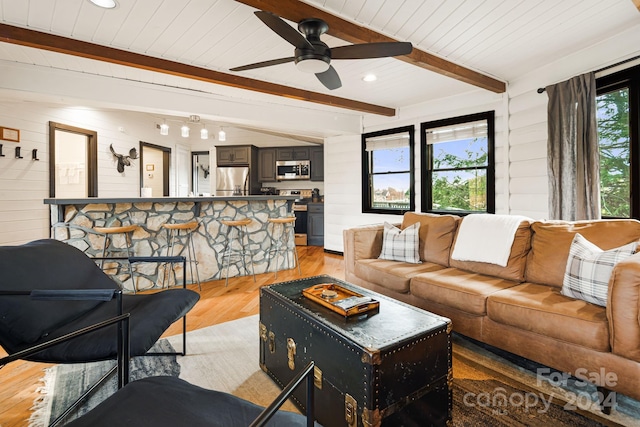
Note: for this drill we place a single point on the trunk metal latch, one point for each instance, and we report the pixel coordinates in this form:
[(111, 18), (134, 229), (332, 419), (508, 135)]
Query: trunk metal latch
[(350, 410), (272, 342), (291, 353)]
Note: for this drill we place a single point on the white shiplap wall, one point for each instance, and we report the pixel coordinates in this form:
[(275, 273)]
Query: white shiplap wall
[(528, 183), (25, 183), (343, 170), (521, 140)]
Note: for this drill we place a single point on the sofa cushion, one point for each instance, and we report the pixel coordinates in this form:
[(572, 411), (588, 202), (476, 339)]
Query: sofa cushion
[(436, 235), (517, 259), (401, 245), (543, 310), (457, 288), (589, 269), (551, 240), (392, 275)]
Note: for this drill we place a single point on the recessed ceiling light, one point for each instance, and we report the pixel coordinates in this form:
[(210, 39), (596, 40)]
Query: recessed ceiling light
[(370, 78), (107, 4)]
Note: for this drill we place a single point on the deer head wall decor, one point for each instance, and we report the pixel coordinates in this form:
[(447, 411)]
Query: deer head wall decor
[(205, 170), (122, 159)]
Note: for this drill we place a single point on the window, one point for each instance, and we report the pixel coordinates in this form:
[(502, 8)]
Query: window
[(617, 115), (387, 178), (457, 164)]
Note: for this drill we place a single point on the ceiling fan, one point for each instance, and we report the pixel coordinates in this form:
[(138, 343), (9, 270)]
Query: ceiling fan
[(312, 55)]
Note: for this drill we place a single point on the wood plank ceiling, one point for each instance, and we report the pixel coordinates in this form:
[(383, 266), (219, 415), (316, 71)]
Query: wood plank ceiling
[(459, 45)]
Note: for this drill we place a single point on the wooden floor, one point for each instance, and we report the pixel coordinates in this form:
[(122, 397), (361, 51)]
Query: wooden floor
[(20, 380)]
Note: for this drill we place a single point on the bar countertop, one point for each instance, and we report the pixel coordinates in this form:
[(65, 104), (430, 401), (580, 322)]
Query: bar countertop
[(89, 200), (76, 220)]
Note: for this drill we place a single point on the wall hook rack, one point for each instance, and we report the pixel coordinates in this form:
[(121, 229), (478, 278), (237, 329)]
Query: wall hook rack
[(18, 156), (34, 154), (1, 155)]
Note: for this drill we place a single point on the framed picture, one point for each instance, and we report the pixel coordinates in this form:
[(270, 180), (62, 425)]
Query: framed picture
[(9, 134), (150, 167)]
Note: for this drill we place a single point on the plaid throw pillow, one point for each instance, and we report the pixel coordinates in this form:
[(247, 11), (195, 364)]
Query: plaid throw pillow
[(401, 245), (589, 269)]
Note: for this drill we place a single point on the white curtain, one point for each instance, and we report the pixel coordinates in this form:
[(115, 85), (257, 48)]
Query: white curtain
[(573, 158)]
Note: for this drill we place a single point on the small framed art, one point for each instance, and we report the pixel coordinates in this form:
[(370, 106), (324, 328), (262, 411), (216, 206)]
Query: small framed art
[(9, 134)]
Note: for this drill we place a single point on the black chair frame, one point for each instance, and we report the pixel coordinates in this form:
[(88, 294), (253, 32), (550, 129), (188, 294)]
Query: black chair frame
[(122, 319), (167, 260), (306, 375)]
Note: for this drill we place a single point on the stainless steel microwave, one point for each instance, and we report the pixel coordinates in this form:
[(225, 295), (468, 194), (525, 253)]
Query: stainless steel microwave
[(292, 169)]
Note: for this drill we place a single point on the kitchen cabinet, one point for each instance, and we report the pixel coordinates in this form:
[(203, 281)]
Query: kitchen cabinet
[(231, 155), (316, 157), (292, 153), (315, 224), (267, 164)]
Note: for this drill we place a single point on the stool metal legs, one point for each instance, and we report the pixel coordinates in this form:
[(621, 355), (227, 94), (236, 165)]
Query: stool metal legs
[(282, 244), (106, 244), (241, 236), (191, 255)]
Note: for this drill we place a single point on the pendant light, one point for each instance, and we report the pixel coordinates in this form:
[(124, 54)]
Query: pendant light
[(204, 133), (222, 136), (164, 128), (184, 131)]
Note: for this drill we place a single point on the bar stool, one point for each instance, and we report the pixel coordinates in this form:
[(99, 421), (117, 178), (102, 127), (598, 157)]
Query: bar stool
[(286, 236), (173, 231), (240, 227), (109, 233)]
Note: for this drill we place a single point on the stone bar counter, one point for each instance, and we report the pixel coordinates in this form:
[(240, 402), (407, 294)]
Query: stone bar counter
[(73, 220)]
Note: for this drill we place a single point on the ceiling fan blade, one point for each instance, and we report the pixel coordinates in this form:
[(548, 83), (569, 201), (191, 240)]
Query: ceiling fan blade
[(330, 78), (371, 50), (263, 64), (284, 30)]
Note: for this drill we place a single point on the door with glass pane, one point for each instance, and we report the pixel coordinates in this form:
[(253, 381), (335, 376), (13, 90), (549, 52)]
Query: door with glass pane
[(72, 162)]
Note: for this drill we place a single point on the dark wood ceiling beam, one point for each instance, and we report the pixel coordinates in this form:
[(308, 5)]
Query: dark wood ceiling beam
[(295, 11), (50, 42)]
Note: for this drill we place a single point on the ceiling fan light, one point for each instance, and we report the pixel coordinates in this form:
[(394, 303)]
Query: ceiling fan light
[(164, 129), (184, 131), (222, 136), (312, 65), (107, 4)]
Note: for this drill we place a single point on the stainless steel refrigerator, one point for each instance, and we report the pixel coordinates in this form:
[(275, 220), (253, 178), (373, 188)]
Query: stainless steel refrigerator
[(233, 181)]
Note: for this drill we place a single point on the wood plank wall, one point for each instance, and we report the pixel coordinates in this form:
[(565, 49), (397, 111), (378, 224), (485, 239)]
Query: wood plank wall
[(343, 188), (24, 183)]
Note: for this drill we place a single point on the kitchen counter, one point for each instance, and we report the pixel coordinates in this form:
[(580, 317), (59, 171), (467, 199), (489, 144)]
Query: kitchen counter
[(74, 220), (164, 199)]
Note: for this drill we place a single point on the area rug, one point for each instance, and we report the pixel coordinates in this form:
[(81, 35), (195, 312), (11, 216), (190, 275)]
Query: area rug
[(487, 390)]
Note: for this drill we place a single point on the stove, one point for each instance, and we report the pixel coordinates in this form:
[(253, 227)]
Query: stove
[(299, 209), (304, 195)]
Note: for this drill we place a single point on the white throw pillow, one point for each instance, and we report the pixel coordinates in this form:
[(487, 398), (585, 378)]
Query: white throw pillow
[(589, 269), (401, 245)]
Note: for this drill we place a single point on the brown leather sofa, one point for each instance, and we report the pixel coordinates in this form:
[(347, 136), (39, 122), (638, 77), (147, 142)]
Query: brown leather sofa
[(518, 308)]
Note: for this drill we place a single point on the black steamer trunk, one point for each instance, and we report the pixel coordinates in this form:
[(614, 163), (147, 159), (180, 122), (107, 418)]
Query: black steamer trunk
[(391, 367)]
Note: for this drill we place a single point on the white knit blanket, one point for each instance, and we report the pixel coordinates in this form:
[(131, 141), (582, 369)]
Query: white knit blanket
[(486, 238)]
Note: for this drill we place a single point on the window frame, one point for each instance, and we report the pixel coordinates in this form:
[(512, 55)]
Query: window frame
[(92, 156), (367, 202), (628, 78), (426, 161)]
